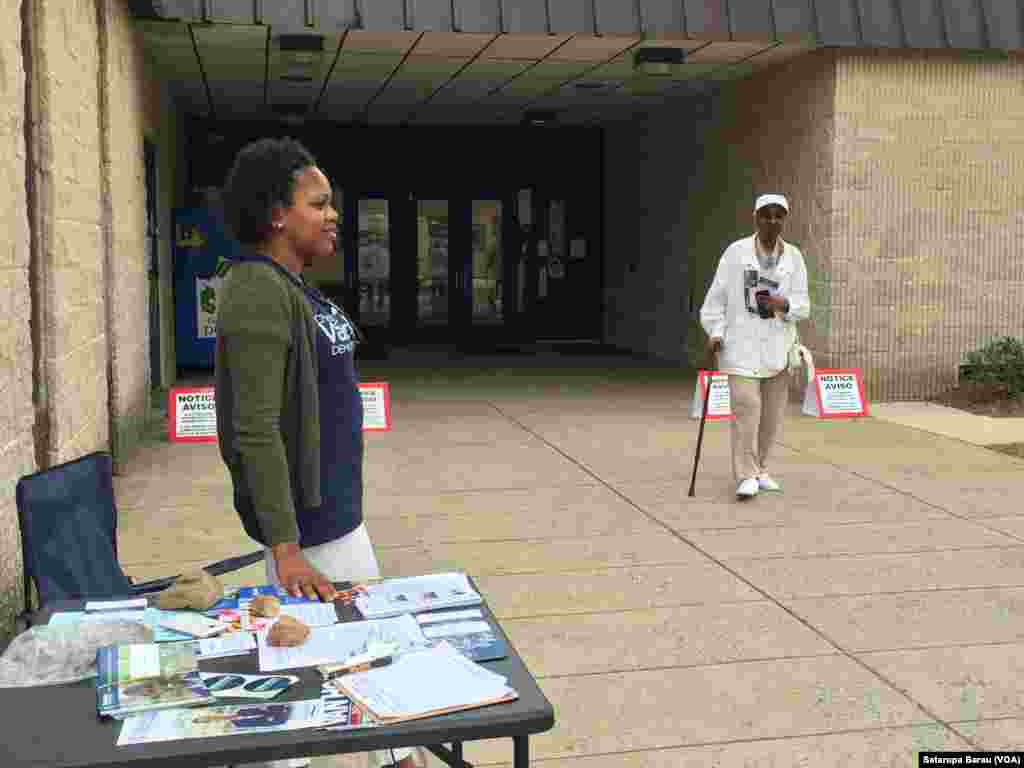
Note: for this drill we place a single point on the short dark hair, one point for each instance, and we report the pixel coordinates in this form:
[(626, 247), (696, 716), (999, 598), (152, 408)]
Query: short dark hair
[(263, 176)]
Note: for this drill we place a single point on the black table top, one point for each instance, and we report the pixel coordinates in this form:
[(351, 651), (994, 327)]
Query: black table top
[(57, 726)]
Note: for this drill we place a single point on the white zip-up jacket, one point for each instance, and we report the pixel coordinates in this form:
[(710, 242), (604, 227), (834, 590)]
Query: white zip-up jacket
[(752, 346)]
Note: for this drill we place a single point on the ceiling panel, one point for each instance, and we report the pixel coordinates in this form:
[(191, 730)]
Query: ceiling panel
[(400, 42), (732, 72), (429, 68), (364, 66), (176, 64), (530, 47), (497, 69), (451, 44), (233, 53), (558, 70), (593, 49), (724, 53), (779, 54)]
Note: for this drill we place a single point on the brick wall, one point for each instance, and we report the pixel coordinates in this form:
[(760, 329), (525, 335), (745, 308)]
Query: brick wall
[(69, 220), (16, 411), (929, 194), (74, 347), (124, 80)]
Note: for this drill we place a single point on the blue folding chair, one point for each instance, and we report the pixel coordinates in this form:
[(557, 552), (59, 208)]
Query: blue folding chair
[(68, 521)]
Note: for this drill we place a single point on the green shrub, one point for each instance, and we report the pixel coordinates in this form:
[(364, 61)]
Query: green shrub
[(999, 363)]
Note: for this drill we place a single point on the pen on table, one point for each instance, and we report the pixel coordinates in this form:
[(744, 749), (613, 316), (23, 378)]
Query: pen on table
[(365, 666)]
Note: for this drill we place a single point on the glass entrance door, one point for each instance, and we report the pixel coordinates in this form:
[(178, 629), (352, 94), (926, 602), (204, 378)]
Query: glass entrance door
[(374, 263), (487, 263), (433, 267)]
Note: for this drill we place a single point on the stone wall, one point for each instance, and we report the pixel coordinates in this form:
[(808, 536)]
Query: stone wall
[(127, 281), (74, 348), (69, 219), (17, 448), (929, 199)]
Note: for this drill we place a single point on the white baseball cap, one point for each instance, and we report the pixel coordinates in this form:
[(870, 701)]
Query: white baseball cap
[(764, 200)]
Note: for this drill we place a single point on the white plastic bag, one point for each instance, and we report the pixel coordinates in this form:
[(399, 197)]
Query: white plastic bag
[(66, 653)]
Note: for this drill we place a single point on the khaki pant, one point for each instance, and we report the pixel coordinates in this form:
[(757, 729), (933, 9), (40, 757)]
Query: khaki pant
[(759, 406)]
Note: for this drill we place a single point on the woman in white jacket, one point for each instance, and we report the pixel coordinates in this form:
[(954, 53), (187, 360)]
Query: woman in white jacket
[(750, 314)]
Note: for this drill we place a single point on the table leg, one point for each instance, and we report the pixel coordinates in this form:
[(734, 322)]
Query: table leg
[(457, 749), (521, 753)]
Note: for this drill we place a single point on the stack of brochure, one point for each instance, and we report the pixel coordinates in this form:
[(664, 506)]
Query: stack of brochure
[(434, 681), (142, 677), (415, 594), (343, 644)]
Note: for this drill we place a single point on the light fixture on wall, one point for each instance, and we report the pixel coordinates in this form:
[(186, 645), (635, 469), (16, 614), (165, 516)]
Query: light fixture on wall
[(657, 61)]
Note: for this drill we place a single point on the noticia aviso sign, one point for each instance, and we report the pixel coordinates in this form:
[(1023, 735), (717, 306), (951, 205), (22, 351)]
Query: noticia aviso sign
[(192, 412)]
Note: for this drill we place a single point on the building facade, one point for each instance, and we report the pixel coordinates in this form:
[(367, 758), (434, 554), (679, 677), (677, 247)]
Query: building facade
[(894, 128)]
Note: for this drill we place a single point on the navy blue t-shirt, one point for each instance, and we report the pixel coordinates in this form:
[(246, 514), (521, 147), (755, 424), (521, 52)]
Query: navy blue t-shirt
[(341, 430)]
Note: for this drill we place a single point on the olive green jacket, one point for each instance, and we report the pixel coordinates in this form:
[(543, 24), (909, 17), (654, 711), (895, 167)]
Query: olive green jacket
[(268, 420)]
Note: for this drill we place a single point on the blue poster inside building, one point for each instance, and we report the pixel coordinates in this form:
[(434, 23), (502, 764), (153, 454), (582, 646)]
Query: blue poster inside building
[(201, 249)]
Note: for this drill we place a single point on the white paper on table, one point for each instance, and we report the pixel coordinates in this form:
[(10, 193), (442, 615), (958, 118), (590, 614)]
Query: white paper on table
[(434, 618), (456, 628), (339, 642), (425, 681), (115, 605), (234, 644), (76, 617), (417, 593), (311, 614)]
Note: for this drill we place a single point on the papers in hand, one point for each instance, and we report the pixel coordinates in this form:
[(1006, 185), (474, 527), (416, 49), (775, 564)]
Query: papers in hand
[(415, 594), (338, 643), (423, 683)]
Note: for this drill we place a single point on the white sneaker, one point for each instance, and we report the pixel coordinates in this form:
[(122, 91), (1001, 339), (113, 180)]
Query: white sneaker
[(748, 488), (765, 483)]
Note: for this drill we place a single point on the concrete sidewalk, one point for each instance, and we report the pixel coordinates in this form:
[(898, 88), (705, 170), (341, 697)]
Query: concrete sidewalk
[(873, 609)]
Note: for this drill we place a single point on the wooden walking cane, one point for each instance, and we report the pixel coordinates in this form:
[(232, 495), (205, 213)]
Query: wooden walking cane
[(703, 419)]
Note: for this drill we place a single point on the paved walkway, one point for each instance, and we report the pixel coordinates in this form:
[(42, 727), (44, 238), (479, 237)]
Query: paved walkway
[(873, 609)]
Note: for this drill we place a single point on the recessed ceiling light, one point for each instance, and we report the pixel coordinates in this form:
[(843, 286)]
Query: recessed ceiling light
[(657, 61), (301, 43)]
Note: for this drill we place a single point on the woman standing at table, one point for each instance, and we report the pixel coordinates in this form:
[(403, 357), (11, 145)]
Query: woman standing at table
[(289, 412)]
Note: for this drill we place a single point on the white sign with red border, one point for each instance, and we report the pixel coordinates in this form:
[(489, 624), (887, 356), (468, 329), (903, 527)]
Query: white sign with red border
[(376, 407), (719, 402), (192, 412), (191, 415), (836, 393)]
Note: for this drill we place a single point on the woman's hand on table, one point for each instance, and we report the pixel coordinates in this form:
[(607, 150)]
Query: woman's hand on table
[(300, 578)]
